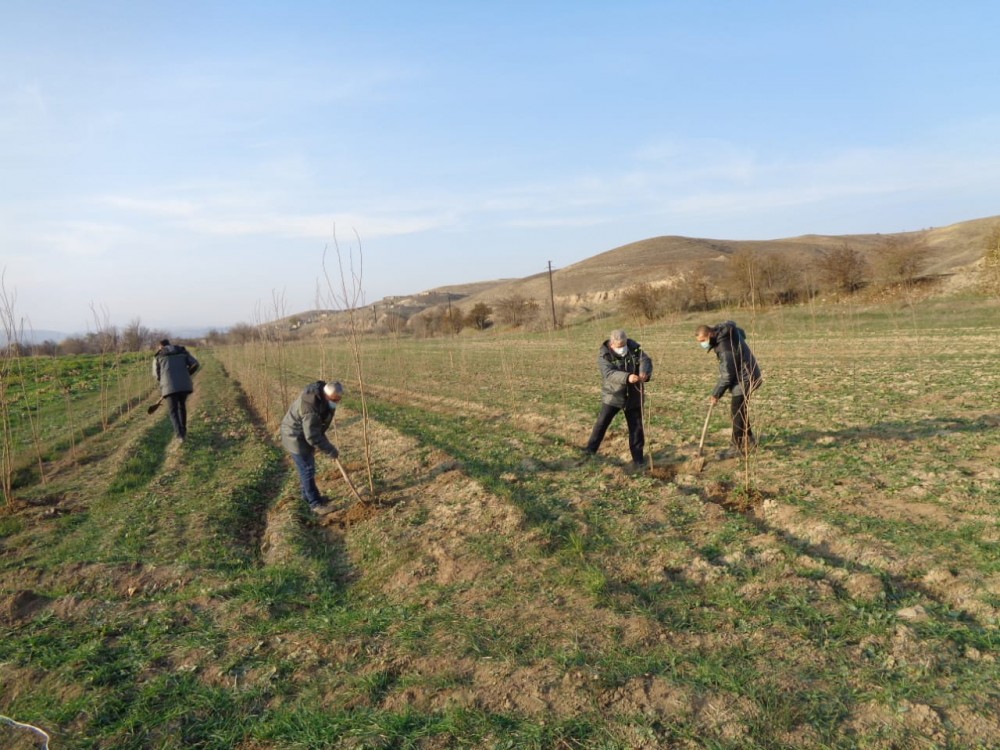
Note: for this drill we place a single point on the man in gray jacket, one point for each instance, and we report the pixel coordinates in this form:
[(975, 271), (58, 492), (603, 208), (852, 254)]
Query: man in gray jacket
[(303, 432), (624, 368), (739, 374), (173, 367)]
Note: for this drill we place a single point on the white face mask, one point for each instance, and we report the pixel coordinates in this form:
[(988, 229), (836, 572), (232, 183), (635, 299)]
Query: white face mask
[(619, 350), (704, 344)]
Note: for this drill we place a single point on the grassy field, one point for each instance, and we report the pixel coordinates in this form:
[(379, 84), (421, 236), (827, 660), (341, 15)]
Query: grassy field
[(839, 590)]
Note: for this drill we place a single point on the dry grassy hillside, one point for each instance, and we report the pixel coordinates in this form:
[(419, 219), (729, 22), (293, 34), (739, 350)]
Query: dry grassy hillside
[(949, 249), (596, 282)]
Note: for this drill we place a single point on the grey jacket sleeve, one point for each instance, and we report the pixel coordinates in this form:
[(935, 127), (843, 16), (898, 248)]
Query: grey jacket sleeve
[(610, 373), (314, 432)]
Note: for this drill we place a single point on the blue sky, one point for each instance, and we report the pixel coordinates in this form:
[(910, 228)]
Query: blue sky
[(186, 164)]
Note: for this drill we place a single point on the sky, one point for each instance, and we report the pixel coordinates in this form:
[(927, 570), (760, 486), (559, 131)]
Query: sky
[(198, 164)]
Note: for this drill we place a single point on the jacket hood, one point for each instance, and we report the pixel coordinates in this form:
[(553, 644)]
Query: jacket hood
[(729, 333), (314, 388)]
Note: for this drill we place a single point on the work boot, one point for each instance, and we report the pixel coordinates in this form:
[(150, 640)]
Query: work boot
[(321, 509)]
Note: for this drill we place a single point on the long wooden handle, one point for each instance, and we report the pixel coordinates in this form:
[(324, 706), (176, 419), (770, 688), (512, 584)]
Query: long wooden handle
[(704, 429), (347, 479)]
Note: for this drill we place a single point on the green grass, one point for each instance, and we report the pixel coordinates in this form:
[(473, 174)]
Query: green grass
[(518, 597)]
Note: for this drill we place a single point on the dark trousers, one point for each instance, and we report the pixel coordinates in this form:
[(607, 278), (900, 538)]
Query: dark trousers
[(742, 433), (636, 435), (177, 406), (306, 465)]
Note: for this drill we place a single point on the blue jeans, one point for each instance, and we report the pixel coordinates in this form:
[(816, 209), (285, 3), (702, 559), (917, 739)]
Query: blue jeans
[(306, 464)]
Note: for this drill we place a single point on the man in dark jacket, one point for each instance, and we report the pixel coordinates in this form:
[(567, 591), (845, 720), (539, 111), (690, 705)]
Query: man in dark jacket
[(624, 368), (303, 432), (173, 367), (739, 374)]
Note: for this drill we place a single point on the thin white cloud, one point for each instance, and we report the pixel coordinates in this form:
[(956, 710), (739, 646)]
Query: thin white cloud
[(316, 226)]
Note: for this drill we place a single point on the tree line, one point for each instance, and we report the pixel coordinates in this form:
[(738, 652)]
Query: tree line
[(755, 278)]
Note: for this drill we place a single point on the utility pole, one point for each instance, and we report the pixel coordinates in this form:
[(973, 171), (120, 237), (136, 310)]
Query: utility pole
[(552, 298)]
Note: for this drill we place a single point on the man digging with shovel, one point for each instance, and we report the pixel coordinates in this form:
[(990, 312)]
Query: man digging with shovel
[(303, 432), (739, 374)]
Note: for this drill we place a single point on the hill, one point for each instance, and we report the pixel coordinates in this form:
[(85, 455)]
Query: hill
[(949, 249), (597, 281)]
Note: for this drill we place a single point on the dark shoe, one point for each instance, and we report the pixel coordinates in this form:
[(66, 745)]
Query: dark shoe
[(636, 467), (321, 509), (731, 452)]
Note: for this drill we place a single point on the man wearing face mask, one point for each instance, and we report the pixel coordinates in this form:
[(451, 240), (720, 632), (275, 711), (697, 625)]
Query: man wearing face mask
[(303, 432), (624, 368), (739, 374)]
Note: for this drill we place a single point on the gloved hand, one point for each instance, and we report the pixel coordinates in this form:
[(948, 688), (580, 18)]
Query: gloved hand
[(334, 453)]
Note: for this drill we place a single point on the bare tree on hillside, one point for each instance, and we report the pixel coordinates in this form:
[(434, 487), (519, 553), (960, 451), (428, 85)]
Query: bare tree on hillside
[(900, 260), (644, 302), (135, 337), (843, 268), (516, 310), (479, 316), (393, 323), (762, 278), (241, 333), (695, 287)]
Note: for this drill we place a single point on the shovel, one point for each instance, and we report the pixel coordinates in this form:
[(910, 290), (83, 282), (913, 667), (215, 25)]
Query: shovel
[(343, 473), (698, 462), (155, 406)]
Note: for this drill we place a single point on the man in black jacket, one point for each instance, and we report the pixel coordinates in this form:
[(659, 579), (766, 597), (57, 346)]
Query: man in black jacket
[(173, 367), (303, 432), (624, 368), (738, 374)]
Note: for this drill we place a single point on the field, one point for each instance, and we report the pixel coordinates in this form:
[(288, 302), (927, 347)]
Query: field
[(841, 589)]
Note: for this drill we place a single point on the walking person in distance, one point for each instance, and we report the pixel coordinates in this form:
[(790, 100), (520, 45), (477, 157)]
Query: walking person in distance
[(625, 368), (173, 367)]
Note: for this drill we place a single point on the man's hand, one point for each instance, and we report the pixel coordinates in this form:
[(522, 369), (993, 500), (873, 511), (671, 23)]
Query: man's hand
[(713, 400), (633, 378), (334, 453)]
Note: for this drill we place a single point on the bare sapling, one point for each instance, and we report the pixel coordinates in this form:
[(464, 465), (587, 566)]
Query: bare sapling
[(107, 337), (278, 307), (8, 320), (29, 411), (351, 299)]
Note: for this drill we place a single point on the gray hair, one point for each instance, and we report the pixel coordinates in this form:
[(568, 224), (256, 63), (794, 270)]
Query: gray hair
[(335, 388), (618, 336)]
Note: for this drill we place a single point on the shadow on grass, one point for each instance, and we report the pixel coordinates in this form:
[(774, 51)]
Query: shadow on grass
[(891, 430), (496, 466)]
